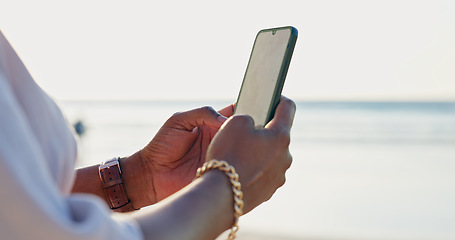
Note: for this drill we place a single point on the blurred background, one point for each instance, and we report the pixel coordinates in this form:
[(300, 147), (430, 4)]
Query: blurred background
[(374, 81)]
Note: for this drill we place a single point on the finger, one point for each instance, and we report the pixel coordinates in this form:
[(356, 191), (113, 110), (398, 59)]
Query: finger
[(204, 116), (228, 111), (284, 114), (239, 122)]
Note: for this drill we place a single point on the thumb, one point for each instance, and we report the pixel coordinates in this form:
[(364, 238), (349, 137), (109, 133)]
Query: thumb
[(204, 116)]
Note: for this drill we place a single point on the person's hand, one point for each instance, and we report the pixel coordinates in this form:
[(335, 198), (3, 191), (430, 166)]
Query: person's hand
[(260, 156), (170, 160)]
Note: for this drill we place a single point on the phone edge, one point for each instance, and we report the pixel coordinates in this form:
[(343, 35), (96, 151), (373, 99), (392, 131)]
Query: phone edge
[(283, 73)]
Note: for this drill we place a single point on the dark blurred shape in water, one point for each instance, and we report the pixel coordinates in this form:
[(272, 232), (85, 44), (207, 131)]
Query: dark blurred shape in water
[(79, 127)]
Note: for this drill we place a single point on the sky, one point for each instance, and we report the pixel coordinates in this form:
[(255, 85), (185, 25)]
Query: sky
[(196, 50)]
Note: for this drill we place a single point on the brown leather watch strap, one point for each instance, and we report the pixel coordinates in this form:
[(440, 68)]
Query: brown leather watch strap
[(114, 189)]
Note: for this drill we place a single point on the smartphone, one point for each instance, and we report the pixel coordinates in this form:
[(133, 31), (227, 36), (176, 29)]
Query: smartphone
[(265, 74)]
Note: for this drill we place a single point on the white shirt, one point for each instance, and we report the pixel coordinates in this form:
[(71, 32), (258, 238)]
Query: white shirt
[(37, 158)]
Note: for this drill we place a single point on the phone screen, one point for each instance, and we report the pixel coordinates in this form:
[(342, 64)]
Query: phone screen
[(262, 84)]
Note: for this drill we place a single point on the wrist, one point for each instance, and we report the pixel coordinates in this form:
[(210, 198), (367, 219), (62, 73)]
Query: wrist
[(201, 210), (233, 177), (138, 181), (115, 195), (219, 184)]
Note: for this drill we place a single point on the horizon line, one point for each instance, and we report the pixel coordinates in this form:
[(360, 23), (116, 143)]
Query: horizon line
[(233, 100)]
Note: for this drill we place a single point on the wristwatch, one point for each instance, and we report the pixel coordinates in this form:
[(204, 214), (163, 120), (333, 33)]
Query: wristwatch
[(114, 189)]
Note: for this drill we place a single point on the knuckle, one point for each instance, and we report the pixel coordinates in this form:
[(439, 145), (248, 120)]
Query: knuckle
[(207, 109), (284, 137), (289, 103), (176, 114), (288, 161), (282, 181), (268, 197), (293, 105)]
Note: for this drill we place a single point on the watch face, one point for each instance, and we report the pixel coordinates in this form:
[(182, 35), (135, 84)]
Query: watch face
[(110, 163)]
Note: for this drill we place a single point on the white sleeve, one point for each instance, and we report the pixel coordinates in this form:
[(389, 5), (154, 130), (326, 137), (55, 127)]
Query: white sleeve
[(32, 203)]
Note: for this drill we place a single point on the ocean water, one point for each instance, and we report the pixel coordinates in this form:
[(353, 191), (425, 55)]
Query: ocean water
[(361, 170)]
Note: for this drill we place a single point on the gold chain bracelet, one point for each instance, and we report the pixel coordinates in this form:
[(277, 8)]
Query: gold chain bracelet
[(236, 188)]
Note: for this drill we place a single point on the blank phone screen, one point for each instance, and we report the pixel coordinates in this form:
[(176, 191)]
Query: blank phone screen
[(260, 81)]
